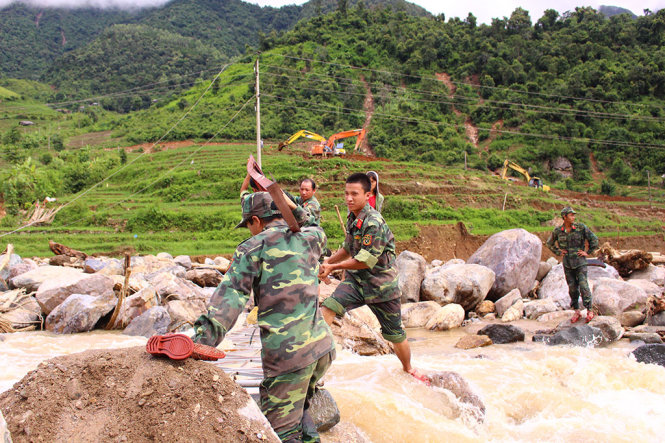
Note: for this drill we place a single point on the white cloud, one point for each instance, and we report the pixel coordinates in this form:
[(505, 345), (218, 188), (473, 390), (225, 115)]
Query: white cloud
[(122, 4)]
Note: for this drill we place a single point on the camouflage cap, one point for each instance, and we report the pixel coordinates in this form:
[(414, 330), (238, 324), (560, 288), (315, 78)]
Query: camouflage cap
[(567, 210), (259, 204)]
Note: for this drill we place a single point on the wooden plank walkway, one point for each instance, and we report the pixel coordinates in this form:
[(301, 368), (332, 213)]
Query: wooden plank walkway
[(243, 361)]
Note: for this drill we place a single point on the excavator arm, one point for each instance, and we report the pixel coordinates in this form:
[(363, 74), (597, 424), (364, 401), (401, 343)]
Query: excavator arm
[(301, 133), (531, 181), (333, 139)]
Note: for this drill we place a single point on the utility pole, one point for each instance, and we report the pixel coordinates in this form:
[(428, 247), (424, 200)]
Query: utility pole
[(649, 183), (258, 113)]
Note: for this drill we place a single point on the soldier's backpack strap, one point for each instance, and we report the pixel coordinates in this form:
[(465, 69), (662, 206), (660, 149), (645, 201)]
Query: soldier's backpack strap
[(275, 192)]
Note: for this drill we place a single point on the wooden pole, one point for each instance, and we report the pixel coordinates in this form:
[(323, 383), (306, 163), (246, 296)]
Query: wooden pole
[(339, 217), (504, 202), (258, 115), (123, 293), (465, 160)]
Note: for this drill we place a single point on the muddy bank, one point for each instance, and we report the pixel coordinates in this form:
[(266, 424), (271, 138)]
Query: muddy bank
[(445, 242), (128, 395)]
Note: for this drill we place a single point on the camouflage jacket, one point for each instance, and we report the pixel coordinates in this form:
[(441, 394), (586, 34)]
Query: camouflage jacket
[(281, 268), (312, 206), (572, 242), (369, 240)]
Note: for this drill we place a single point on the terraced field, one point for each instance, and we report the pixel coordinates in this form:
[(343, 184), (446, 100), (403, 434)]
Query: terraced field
[(185, 201)]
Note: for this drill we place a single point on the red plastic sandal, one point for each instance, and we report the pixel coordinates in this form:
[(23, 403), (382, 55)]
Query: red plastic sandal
[(590, 315), (174, 346), (205, 352), (418, 376), (576, 316)]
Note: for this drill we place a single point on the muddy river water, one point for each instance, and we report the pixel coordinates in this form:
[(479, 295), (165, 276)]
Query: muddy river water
[(532, 392)]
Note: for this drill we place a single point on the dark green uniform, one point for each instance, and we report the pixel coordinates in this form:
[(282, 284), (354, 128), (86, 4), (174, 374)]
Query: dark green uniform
[(574, 266), (369, 240), (281, 268), (312, 206)]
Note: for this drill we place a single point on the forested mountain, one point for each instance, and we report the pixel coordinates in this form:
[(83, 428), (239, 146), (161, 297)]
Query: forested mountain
[(611, 11), (564, 86), (314, 8), (124, 56), (32, 38)]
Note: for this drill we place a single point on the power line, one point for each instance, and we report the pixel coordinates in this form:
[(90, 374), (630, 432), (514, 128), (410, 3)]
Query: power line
[(469, 84), (418, 120), (536, 108)]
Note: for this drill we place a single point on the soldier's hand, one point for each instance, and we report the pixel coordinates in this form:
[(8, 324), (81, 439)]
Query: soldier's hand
[(324, 270), (582, 253)]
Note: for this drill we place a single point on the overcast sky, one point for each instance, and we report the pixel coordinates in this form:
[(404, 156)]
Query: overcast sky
[(484, 10)]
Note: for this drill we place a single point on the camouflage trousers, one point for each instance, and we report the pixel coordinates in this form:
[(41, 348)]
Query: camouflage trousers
[(285, 400), (578, 284)]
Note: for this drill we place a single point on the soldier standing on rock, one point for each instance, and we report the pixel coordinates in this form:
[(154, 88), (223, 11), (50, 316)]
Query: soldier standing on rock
[(368, 259), (280, 267), (570, 238)]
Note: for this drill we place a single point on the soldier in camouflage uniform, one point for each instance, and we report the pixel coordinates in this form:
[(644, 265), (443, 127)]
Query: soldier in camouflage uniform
[(280, 268), (368, 258), (568, 240), (307, 200)]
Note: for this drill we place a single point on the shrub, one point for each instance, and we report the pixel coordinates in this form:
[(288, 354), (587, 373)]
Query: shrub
[(607, 187)]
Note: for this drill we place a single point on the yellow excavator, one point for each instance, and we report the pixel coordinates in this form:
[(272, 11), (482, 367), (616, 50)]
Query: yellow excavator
[(302, 133), (534, 182)]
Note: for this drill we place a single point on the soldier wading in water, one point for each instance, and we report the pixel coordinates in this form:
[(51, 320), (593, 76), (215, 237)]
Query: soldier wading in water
[(568, 240), (280, 267)]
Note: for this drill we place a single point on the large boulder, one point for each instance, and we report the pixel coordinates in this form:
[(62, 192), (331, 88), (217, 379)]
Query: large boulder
[(631, 319), (610, 327), (410, 274), (656, 319), (515, 312), (79, 313), (323, 410), (14, 260), (455, 383), (655, 274), (543, 269), (204, 277), (356, 335), (579, 335), (183, 260), (505, 302), (613, 297), (154, 321), (20, 309), (416, 315), (103, 265), (485, 307), (650, 354), (24, 266), (184, 311), (514, 256), (447, 317), (135, 305), (55, 291), (473, 341), (32, 280), (463, 284), (555, 288), (501, 334), (649, 287), (169, 286), (535, 308)]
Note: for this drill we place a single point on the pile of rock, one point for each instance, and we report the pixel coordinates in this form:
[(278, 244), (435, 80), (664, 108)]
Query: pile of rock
[(163, 293), (505, 280)]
